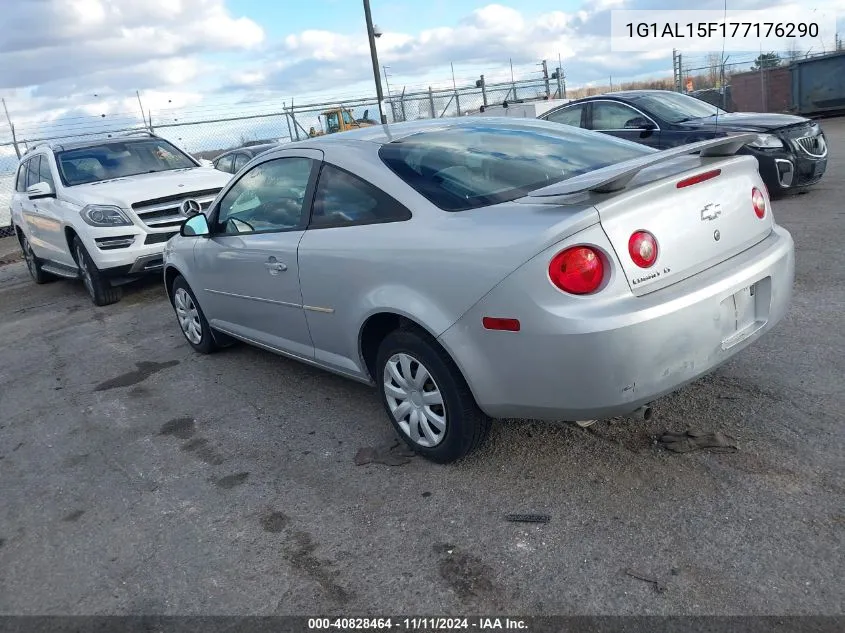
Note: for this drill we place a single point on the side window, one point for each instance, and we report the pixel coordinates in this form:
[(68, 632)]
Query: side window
[(332, 123), (32, 172), (45, 175), (268, 197), (240, 161), (20, 183), (224, 164), (344, 200), (567, 116), (612, 116), (347, 118)]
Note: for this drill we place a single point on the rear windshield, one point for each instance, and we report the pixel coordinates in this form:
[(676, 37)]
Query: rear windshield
[(118, 160), (471, 166)]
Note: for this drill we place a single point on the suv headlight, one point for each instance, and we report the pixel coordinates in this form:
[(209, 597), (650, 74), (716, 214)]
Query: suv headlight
[(766, 141), (104, 215)]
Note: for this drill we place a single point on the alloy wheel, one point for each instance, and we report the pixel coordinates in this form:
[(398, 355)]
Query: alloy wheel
[(415, 400), (188, 315), (29, 257), (84, 270)]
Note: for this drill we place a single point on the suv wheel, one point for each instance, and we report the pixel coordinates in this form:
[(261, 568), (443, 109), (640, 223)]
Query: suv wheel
[(427, 398), (192, 321), (33, 264), (99, 288)]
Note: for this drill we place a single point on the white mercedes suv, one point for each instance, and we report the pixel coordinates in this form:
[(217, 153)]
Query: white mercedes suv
[(102, 210)]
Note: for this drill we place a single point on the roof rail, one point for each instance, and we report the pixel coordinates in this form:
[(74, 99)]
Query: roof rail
[(138, 133), (35, 147)]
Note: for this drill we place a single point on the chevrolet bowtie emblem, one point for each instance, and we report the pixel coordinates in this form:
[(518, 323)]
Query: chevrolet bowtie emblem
[(710, 212)]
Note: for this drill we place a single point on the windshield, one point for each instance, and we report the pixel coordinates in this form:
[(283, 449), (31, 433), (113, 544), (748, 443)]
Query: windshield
[(478, 165), (675, 107), (119, 159)]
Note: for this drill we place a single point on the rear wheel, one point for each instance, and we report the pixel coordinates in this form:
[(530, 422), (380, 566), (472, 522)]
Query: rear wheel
[(33, 264), (99, 288), (191, 320), (427, 398)]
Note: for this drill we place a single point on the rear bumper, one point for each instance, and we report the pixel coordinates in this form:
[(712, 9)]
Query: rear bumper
[(600, 358)]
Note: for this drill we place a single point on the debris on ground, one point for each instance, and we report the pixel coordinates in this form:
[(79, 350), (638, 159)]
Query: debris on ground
[(528, 518), (394, 454), (691, 440), (659, 587)]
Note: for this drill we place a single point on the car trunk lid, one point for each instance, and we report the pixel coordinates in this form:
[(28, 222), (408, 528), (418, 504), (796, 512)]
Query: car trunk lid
[(697, 222), (696, 225)]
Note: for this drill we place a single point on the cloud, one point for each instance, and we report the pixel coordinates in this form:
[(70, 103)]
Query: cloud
[(65, 58), (79, 42)]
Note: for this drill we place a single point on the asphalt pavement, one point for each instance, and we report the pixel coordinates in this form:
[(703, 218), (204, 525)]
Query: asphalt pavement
[(137, 477)]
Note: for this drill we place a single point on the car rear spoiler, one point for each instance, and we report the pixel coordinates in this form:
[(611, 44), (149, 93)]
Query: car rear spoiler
[(616, 177)]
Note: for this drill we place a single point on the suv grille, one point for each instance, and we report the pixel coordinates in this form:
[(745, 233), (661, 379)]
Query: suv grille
[(167, 212)]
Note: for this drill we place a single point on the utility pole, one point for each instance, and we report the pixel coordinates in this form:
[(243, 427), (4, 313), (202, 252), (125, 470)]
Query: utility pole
[(389, 96), (455, 86), (12, 128), (561, 89), (481, 84), (141, 105), (371, 35), (513, 83), (546, 78)]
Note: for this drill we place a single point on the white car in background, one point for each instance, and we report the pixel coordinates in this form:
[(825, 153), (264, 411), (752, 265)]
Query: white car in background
[(102, 210)]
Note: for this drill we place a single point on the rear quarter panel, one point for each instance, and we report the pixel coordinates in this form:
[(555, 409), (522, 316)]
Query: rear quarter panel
[(431, 268)]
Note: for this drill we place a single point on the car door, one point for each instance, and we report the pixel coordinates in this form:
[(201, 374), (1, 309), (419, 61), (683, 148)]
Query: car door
[(30, 211), (50, 217), (246, 271), (624, 121), (16, 205), (574, 115), (349, 216)]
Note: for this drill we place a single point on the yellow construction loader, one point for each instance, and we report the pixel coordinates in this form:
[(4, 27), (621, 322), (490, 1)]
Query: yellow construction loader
[(340, 120)]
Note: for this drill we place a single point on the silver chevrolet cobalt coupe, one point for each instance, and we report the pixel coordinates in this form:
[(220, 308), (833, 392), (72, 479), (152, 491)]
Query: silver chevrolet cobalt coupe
[(481, 268)]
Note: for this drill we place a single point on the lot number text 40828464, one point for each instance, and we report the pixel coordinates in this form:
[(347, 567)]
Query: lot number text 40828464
[(417, 624)]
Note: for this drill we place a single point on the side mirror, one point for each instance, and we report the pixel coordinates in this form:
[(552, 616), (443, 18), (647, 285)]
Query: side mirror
[(639, 123), (40, 190), (195, 226)]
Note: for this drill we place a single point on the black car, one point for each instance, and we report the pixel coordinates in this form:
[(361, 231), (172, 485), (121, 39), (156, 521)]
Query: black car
[(232, 161), (791, 150)]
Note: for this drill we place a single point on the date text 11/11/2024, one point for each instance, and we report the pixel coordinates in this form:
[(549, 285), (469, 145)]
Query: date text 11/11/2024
[(690, 30), (417, 624)]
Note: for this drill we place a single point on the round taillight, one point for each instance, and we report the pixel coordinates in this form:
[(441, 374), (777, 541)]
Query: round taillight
[(759, 203), (643, 249), (578, 270)]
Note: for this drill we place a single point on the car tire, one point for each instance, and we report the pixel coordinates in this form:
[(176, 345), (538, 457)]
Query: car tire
[(189, 315), (33, 264), (99, 287), (444, 427)]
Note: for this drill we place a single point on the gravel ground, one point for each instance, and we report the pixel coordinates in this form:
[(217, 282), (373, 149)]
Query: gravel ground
[(139, 477)]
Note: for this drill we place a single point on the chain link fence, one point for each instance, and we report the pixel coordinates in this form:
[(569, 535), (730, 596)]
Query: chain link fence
[(208, 130), (205, 135)]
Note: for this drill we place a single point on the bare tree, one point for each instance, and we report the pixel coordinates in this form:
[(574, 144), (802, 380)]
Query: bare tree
[(792, 53), (714, 68)]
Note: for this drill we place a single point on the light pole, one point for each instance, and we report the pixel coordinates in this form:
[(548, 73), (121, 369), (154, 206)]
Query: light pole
[(372, 35)]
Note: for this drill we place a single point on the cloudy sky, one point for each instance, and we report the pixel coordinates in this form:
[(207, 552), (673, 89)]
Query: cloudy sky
[(67, 65)]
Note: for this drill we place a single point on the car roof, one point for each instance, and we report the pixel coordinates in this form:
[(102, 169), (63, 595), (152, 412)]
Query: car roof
[(625, 94), (94, 142), (391, 132)]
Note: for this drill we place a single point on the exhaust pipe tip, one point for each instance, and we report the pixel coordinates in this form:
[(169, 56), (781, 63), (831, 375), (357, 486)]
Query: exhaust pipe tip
[(644, 413)]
